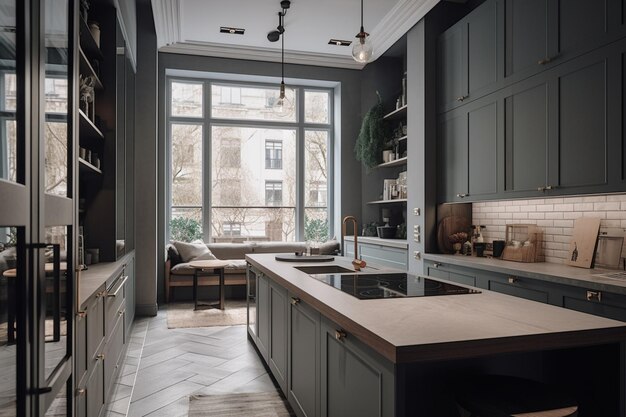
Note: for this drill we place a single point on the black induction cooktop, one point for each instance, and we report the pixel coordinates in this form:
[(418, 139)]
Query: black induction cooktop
[(390, 285)]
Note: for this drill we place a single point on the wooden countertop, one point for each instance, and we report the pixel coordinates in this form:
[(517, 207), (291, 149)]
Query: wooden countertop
[(449, 327), (544, 271), (99, 275)]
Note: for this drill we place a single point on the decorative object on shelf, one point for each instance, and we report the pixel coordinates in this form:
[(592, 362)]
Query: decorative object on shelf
[(467, 248), (523, 243), (369, 229), (403, 97), (390, 190), (583, 244), (457, 239), (402, 185), (94, 28), (82, 153), (283, 105), (388, 155), (95, 255), (386, 232), (362, 50), (369, 144), (87, 95), (84, 9), (401, 231)]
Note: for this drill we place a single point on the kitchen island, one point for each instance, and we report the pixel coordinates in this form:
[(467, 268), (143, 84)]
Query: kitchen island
[(336, 355)]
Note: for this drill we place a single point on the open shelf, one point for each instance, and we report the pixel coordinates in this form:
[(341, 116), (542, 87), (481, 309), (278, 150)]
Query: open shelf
[(396, 114), (85, 166), (87, 43), (87, 70), (394, 163), (87, 129), (395, 201)]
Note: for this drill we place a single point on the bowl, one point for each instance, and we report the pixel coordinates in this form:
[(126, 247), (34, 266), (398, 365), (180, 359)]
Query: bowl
[(386, 232)]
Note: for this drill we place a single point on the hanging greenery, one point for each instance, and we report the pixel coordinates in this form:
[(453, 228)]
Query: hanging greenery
[(369, 144)]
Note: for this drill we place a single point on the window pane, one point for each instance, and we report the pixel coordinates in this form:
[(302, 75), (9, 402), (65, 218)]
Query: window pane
[(10, 91), (246, 195), (56, 95), (187, 99), (316, 169), (186, 224), (316, 227), (316, 106), (8, 151), (186, 164), (56, 158), (251, 103)]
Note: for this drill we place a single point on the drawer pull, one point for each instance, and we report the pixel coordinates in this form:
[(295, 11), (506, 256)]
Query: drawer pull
[(541, 189), (119, 287), (463, 195), (460, 99), (100, 357), (81, 391), (340, 334), (594, 296), (121, 313), (436, 265), (512, 280), (544, 61), (295, 301)]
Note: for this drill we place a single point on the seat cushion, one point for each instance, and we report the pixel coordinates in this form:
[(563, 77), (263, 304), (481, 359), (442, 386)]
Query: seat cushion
[(231, 250), (279, 247), (330, 247), (194, 251), (235, 266)]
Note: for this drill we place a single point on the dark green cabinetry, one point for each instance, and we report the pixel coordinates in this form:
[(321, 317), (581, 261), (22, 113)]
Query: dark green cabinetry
[(354, 381), (580, 298), (304, 359), (551, 124)]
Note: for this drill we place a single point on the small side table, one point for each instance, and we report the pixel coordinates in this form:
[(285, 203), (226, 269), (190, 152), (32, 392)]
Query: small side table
[(213, 267)]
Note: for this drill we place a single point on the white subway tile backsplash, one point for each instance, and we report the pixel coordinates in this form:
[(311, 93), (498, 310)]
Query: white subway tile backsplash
[(555, 216)]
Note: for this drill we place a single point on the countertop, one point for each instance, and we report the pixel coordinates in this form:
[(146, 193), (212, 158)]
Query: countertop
[(550, 272), (444, 327), (97, 275), (392, 243)]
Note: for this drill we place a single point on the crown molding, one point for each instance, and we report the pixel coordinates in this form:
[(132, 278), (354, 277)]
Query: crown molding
[(166, 21), (260, 54), (401, 18)]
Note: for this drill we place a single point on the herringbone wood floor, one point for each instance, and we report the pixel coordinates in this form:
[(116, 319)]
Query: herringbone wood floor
[(174, 363)]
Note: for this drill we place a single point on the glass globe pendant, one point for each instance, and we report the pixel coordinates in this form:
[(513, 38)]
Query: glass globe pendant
[(362, 50)]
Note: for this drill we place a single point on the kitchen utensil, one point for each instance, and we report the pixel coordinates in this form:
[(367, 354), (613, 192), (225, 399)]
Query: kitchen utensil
[(498, 247)]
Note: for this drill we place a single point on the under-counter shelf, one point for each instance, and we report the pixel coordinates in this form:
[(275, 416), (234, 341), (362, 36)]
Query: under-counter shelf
[(396, 200), (86, 69), (87, 129), (394, 163), (397, 114), (87, 167)]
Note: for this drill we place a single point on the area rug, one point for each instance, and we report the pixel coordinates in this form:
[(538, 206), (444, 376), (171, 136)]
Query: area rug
[(262, 404), (183, 315)]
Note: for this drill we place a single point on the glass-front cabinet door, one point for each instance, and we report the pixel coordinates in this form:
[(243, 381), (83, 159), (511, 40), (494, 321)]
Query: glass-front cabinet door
[(37, 236)]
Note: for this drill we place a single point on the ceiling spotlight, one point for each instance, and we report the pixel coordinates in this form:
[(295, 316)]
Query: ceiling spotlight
[(274, 35), (231, 30), (339, 42)]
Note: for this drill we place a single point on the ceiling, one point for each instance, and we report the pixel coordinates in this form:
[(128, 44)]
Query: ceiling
[(192, 27)]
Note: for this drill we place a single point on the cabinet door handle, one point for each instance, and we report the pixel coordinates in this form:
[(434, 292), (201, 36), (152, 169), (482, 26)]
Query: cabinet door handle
[(461, 98), (541, 189), (340, 334), (544, 61), (512, 280), (81, 391), (295, 301), (100, 357), (594, 296), (119, 287), (462, 195), (549, 187), (436, 265)]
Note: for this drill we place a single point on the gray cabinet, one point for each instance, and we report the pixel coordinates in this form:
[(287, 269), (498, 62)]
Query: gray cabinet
[(263, 315), (304, 359), (468, 151), (468, 57), (355, 381), (277, 352), (382, 255), (94, 391)]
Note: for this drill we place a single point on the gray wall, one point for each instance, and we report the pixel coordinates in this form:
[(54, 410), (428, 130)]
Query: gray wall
[(146, 100), (347, 117)]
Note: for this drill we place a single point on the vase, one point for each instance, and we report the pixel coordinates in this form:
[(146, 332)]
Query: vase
[(457, 247)]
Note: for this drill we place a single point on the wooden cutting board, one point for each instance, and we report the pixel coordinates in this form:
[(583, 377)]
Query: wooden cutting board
[(583, 244)]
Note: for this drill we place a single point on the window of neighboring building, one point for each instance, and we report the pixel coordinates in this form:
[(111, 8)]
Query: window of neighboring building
[(273, 154), (235, 161)]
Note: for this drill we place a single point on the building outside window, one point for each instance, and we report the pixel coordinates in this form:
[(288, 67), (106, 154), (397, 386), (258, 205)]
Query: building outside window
[(239, 177), (273, 154)]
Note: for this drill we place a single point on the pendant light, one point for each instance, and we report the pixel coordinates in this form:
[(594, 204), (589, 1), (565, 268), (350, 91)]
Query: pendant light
[(362, 50), (283, 106)]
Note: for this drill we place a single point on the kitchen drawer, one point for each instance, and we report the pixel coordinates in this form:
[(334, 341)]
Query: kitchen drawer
[(80, 357), (439, 270), (383, 255), (519, 287), (95, 326), (115, 298), (113, 352), (599, 303)]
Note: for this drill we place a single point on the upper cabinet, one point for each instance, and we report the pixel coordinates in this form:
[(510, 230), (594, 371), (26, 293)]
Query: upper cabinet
[(468, 57), (552, 123)]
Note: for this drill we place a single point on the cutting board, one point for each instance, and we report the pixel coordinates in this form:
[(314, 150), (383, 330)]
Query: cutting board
[(583, 244)]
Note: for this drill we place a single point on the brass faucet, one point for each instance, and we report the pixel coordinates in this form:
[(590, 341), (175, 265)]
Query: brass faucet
[(356, 262)]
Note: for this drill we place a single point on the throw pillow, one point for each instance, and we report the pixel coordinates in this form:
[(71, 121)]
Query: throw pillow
[(192, 251), (330, 247)]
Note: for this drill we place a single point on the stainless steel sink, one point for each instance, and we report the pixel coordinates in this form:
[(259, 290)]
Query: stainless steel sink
[(323, 269)]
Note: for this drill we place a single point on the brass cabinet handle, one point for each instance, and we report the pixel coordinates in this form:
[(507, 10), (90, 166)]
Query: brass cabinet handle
[(544, 61), (594, 296), (549, 187), (119, 287), (512, 280), (81, 391), (79, 312), (460, 99), (295, 301), (121, 313), (436, 265), (100, 357), (541, 188), (340, 334)]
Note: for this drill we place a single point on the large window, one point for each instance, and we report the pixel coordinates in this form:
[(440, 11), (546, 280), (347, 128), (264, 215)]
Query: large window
[(235, 162)]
